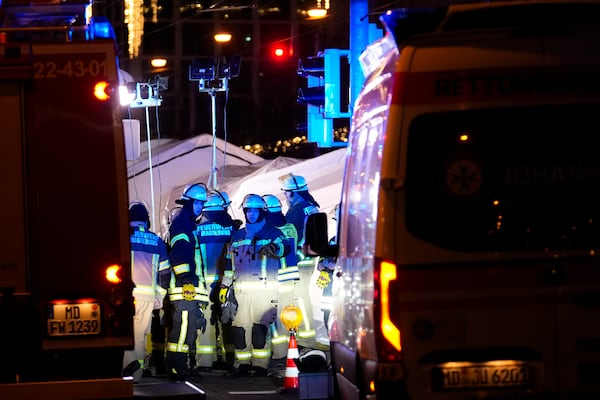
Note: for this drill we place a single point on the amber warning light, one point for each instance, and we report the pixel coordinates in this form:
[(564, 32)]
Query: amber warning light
[(112, 273)]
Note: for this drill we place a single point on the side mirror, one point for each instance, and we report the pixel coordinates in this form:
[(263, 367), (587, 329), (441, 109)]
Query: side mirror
[(316, 242)]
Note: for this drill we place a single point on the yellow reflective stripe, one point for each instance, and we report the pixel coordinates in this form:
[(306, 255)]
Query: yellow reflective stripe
[(177, 348), (181, 236), (211, 278), (307, 334), (181, 268), (206, 349), (242, 355), (288, 274), (164, 265), (140, 289), (197, 297), (184, 328), (204, 260), (305, 321), (280, 339), (263, 267), (261, 353)]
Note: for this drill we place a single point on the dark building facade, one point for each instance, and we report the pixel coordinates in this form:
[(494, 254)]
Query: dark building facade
[(260, 104)]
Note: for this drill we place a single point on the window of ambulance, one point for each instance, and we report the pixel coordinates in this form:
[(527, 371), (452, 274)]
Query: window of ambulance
[(505, 179)]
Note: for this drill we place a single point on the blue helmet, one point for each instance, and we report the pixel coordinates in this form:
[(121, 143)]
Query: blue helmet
[(294, 183), (273, 203), (197, 191), (217, 201)]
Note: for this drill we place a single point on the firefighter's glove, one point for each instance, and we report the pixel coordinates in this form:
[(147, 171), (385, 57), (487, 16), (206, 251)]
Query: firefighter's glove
[(270, 250), (229, 307), (201, 320), (223, 294), (323, 279)]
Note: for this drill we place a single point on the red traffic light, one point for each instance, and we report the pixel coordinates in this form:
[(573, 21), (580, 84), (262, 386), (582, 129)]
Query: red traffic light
[(278, 52)]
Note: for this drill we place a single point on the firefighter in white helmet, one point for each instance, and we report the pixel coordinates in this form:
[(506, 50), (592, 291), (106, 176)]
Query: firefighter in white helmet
[(288, 278), (255, 253), (187, 292), (301, 204)]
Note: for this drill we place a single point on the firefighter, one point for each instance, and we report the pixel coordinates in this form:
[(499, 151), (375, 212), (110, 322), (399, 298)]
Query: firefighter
[(149, 258), (214, 230), (254, 252), (288, 277), (187, 291), (301, 204)]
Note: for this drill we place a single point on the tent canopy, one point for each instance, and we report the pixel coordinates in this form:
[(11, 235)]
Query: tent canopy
[(177, 164)]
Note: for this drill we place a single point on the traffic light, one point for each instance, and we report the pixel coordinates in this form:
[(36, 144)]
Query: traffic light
[(280, 51), (326, 94)]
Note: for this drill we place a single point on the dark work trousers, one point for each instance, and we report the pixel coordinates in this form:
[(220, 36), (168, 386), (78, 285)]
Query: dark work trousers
[(182, 336)]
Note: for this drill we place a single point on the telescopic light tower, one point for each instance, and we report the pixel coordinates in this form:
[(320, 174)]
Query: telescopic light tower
[(212, 75)]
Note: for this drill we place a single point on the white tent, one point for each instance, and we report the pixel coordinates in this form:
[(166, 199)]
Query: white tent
[(323, 175), (176, 163)]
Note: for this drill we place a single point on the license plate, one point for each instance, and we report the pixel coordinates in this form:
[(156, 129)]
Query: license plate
[(74, 319), (481, 376)]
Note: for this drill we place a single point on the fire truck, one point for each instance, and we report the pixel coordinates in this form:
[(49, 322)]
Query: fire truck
[(66, 302)]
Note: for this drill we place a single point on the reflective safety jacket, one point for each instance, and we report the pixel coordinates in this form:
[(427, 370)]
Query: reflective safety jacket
[(184, 257), (213, 233), (251, 269), (296, 215), (149, 259)]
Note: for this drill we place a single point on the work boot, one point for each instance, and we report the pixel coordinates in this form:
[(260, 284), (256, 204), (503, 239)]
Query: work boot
[(158, 357), (131, 368), (177, 367)]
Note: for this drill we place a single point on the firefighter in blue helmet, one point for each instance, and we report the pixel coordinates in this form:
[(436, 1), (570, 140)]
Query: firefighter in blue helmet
[(187, 292), (214, 230), (149, 259), (288, 277), (255, 253), (301, 204)]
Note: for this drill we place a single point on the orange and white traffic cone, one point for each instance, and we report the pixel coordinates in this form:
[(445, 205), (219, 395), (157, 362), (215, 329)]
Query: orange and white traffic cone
[(290, 379)]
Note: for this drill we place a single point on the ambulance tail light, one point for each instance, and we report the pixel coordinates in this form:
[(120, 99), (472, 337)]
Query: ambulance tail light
[(390, 336)]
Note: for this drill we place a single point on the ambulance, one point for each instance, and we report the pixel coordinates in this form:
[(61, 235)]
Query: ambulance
[(66, 302), (467, 261)]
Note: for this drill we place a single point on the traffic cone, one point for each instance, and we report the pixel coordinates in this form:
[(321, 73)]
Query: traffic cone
[(290, 379)]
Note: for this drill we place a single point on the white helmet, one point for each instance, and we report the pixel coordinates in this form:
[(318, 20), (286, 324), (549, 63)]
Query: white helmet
[(273, 203), (254, 201), (197, 191), (294, 183)]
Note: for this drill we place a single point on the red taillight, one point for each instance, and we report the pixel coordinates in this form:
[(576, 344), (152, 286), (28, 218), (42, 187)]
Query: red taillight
[(385, 273), (113, 273), (102, 90)]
